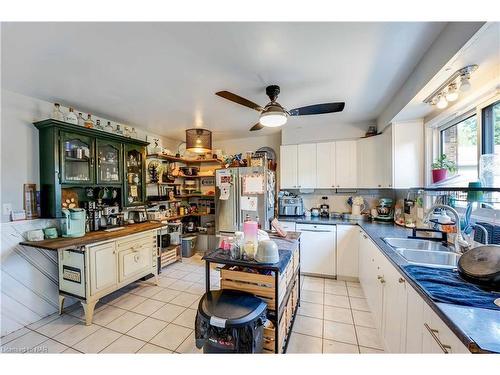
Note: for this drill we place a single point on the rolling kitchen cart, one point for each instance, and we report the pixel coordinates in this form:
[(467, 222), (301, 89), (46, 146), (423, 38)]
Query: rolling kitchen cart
[(277, 284)]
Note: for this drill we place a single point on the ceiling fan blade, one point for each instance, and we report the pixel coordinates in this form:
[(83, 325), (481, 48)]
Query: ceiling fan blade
[(257, 126), (317, 109), (238, 99)]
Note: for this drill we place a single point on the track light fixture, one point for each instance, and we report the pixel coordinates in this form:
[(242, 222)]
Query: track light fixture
[(450, 90)]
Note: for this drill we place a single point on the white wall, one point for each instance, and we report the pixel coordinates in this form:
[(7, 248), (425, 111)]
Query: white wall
[(295, 134), (241, 145), (19, 145)]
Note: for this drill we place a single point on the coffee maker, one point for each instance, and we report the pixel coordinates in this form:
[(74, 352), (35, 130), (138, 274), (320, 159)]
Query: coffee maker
[(324, 208)]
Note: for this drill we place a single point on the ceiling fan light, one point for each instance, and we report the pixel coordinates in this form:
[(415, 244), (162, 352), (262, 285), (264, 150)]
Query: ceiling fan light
[(273, 119), (442, 102)]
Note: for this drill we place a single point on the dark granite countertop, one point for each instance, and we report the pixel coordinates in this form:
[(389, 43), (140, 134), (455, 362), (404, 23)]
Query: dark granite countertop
[(477, 328)]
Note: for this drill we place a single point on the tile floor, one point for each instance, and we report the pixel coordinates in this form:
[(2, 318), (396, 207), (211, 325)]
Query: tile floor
[(142, 318)]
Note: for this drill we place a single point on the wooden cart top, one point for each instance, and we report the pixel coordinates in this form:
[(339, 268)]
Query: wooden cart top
[(93, 237)]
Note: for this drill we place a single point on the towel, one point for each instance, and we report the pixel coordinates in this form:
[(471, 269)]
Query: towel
[(446, 285)]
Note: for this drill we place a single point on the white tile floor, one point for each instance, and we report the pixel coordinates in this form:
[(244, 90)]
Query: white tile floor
[(142, 318)]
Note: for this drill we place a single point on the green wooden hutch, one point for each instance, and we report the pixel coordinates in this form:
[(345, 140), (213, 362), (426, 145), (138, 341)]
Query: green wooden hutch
[(76, 158)]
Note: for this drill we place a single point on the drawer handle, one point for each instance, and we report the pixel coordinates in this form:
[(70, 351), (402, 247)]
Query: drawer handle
[(445, 348), (136, 258), (381, 279)]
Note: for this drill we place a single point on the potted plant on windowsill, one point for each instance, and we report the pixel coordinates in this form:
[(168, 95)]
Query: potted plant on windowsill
[(440, 168)]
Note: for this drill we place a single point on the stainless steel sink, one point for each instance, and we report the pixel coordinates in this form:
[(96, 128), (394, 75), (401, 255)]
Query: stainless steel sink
[(430, 258), (415, 244), (424, 252)]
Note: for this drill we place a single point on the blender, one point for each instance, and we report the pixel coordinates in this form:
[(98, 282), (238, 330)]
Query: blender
[(324, 208)]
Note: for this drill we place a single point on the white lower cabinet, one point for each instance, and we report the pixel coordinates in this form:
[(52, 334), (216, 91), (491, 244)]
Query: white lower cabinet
[(347, 252), (317, 249), (414, 321), (370, 276), (406, 323), (103, 273), (437, 337)]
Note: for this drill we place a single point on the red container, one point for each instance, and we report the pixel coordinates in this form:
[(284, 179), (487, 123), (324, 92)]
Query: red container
[(439, 175)]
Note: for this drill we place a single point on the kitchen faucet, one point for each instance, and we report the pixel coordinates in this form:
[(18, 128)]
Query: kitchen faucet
[(461, 245)]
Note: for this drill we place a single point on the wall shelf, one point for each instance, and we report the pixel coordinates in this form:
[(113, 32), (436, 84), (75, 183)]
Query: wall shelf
[(182, 160)]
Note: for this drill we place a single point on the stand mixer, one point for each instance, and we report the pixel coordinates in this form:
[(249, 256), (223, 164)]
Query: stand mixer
[(385, 210)]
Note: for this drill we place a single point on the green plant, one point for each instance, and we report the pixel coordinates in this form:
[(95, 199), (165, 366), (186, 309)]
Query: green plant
[(442, 162)]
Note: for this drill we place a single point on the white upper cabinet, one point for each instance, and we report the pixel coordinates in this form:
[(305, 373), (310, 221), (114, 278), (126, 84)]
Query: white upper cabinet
[(306, 166), (407, 154), (288, 166), (368, 162), (346, 168), (325, 165)]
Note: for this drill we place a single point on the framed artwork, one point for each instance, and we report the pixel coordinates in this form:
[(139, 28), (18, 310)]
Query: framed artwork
[(30, 201)]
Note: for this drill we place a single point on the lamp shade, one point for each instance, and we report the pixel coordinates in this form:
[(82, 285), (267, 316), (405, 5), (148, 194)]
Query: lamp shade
[(198, 140)]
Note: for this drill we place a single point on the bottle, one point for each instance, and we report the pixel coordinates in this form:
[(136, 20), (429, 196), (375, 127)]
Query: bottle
[(133, 133), (81, 120), (247, 217), (118, 130), (109, 127), (56, 112), (258, 221), (89, 124), (71, 117)]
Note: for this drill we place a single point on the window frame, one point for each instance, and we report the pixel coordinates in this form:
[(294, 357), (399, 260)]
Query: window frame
[(487, 130), (455, 121)]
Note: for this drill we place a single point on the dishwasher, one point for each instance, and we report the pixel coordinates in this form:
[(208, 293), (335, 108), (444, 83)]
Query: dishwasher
[(317, 249)]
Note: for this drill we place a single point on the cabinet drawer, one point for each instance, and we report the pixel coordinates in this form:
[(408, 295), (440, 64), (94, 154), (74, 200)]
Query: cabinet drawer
[(138, 239), (287, 225), (134, 261)]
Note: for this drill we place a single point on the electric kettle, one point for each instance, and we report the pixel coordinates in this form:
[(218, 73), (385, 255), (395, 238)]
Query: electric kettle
[(74, 224)]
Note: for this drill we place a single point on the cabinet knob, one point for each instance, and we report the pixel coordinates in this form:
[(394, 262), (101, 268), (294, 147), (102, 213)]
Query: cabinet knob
[(380, 186), (401, 280), (381, 279)]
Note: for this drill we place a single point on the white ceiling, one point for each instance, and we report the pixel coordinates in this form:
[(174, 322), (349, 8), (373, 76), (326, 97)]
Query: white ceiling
[(163, 76), (484, 50)]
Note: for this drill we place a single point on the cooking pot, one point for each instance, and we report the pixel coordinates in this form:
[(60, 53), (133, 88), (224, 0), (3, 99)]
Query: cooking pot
[(481, 265)]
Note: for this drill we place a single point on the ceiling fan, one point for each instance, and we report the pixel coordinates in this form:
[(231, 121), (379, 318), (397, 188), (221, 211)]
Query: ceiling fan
[(273, 114)]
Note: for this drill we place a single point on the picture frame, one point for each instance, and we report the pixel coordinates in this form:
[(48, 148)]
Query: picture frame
[(30, 201)]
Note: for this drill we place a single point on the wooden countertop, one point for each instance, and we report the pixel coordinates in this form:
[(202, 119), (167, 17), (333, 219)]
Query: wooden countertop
[(92, 237)]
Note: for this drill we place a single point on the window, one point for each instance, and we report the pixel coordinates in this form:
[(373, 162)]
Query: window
[(491, 129), (459, 143)]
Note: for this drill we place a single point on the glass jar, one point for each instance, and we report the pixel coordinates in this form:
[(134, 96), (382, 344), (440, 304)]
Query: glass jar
[(109, 127), (133, 133), (234, 249), (98, 125), (126, 131), (57, 113), (118, 130), (71, 117), (81, 120), (89, 123)]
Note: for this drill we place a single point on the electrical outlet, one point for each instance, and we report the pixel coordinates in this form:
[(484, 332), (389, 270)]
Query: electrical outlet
[(7, 208)]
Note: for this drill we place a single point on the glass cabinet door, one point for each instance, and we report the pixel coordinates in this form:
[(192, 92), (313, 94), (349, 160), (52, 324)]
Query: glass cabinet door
[(109, 155), (134, 180), (77, 158)]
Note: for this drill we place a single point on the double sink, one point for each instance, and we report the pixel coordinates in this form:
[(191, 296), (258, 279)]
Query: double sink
[(424, 252)]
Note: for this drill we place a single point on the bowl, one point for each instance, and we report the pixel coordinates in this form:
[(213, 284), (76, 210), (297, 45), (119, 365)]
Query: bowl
[(267, 252)]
